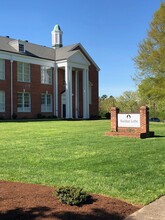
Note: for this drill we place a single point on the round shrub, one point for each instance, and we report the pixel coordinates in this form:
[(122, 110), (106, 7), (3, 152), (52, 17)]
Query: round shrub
[(107, 115), (71, 195)]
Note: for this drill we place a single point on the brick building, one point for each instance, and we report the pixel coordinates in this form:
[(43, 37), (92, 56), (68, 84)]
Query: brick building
[(38, 81)]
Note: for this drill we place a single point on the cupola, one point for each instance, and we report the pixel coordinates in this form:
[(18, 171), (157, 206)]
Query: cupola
[(57, 37)]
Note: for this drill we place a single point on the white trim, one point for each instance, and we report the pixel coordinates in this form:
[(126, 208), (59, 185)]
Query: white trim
[(26, 59), (46, 76), (86, 53), (24, 109), (78, 52), (22, 72), (44, 107)]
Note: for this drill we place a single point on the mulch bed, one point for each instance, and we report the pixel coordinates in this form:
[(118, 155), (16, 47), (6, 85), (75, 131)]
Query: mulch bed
[(19, 201)]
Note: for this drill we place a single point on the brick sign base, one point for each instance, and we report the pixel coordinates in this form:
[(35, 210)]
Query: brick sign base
[(141, 131)]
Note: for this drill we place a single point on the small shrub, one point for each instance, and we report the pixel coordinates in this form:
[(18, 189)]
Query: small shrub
[(1, 118), (107, 115), (72, 195), (39, 116), (14, 116)]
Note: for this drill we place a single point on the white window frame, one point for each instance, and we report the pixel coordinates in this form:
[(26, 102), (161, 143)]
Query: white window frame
[(46, 75), (21, 104), (45, 105), (21, 48), (2, 69), (2, 101), (23, 74)]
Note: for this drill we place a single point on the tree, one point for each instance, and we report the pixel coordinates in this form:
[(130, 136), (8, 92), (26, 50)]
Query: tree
[(128, 102), (151, 59), (103, 97), (105, 104)]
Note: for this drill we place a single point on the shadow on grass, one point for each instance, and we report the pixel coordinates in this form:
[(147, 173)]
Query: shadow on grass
[(48, 213), (158, 136)]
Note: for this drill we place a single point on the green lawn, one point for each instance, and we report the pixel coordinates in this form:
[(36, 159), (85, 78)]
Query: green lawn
[(77, 153)]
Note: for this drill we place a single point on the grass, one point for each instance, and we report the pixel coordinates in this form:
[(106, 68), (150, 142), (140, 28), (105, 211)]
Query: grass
[(77, 153)]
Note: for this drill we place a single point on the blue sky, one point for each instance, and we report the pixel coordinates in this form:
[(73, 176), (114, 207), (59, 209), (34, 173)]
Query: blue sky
[(110, 31)]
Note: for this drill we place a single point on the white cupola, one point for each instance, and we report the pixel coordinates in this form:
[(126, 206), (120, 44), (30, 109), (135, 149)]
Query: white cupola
[(57, 37)]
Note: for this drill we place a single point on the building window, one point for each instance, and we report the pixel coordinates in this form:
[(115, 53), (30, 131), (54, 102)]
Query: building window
[(2, 69), (46, 102), (46, 75), (21, 48), (23, 102), (2, 101), (23, 72)]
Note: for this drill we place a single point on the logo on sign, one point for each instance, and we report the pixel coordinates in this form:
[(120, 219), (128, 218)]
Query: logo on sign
[(128, 116)]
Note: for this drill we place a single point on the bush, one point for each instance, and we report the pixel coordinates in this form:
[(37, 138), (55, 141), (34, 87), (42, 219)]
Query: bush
[(14, 116), (72, 195), (107, 115)]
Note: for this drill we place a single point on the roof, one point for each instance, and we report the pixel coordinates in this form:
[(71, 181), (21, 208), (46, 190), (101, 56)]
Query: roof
[(57, 28), (43, 52)]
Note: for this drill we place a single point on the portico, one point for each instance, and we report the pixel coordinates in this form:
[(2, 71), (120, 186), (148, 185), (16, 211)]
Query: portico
[(76, 88)]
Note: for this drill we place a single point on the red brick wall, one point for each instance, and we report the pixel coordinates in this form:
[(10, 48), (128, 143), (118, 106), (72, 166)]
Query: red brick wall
[(93, 78), (144, 123), (35, 88)]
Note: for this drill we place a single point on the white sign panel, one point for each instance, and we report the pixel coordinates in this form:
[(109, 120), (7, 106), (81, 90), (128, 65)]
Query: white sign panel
[(129, 120)]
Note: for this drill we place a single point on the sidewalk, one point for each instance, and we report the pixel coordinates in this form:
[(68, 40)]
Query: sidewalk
[(153, 211)]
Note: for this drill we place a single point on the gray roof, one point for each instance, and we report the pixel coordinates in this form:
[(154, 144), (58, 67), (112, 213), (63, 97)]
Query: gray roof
[(39, 51), (35, 50)]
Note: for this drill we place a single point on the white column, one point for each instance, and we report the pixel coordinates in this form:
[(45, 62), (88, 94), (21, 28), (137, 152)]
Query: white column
[(56, 90), (85, 94), (70, 93), (76, 94), (67, 90)]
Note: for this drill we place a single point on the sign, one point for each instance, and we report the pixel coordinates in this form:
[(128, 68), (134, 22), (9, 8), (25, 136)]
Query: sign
[(129, 120)]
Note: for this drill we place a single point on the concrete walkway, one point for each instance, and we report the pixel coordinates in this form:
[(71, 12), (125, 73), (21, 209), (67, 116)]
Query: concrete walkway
[(153, 211)]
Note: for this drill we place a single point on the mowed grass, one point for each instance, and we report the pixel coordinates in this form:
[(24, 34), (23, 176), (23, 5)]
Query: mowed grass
[(77, 153)]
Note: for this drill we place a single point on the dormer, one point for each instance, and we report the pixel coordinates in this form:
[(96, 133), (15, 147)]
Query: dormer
[(18, 45)]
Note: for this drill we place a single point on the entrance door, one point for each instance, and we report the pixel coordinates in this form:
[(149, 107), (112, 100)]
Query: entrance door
[(63, 105)]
